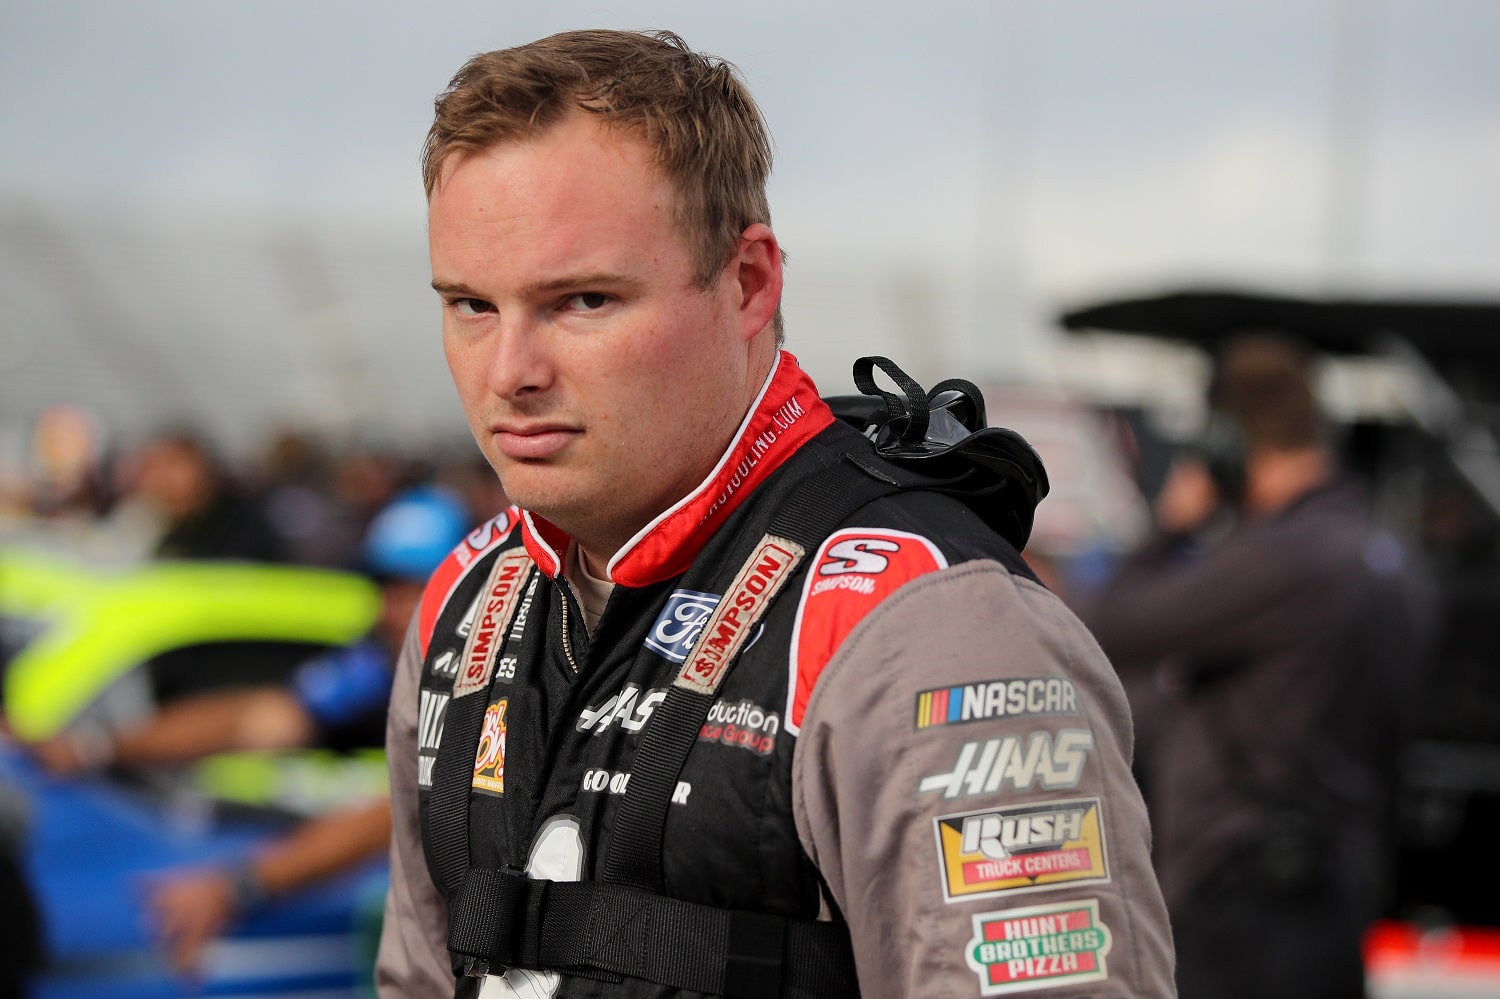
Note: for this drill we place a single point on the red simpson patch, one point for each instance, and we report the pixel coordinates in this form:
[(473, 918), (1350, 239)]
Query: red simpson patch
[(446, 576), (854, 571)]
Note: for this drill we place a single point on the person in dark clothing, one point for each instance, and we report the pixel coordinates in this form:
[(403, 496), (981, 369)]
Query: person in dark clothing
[(1282, 631), (203, 518)]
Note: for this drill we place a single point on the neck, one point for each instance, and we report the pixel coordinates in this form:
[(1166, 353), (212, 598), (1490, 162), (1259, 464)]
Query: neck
[(596, 550), (595, 565), (1278, 478)]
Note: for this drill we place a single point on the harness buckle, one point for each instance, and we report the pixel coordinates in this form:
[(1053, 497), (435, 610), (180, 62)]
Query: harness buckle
[(476, 967)]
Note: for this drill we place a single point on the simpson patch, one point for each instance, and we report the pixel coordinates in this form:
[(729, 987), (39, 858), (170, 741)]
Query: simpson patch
[(446, 577), (853, 572)]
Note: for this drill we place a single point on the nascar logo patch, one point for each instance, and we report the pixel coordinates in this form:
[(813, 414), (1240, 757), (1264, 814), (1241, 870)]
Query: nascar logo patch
[(1020, 698), (1047, 946), (1008, 850)]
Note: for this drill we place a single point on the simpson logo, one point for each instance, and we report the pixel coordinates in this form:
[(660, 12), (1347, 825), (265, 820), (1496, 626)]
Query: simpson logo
[(857, 555), (1044, 947), (629, 708), (489, 760), (447, 576), (1010, 850), (487, 534), (502, 595), (758, 582), (1040, 695), (855, 570), (680, 623), (615, 782), (1015, 764)]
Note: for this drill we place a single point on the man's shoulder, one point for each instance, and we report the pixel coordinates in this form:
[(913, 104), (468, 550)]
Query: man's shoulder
[(878, 554), (946, 523), (501, 531)]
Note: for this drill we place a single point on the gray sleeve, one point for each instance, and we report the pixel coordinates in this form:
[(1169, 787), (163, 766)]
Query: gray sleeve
[(962, 782), (413, 956)]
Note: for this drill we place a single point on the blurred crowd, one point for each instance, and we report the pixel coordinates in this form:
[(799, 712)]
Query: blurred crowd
[(386, 515), (1277, 641), (173, 494)]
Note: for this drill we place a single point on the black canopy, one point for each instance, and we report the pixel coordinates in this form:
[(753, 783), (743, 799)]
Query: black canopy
[(1444, 330)]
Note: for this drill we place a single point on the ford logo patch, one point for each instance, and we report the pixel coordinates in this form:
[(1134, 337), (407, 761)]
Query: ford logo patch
[(675, 631)]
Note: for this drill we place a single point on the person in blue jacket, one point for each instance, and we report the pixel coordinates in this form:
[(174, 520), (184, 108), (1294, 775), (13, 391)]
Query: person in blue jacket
[(336, 701)]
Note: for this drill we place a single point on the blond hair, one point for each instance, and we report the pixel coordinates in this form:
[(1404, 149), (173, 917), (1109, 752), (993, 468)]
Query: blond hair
[(692, 110)]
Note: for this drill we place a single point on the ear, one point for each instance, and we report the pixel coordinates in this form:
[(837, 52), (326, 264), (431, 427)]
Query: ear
[(756, 273)]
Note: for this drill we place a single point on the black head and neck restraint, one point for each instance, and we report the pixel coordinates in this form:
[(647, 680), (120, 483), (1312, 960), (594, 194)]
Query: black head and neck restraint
[(942, 435)]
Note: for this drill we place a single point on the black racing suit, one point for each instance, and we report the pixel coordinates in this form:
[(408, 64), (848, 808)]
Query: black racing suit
[(917, 738)]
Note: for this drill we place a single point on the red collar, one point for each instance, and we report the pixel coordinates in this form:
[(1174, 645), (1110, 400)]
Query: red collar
[(787, 414)]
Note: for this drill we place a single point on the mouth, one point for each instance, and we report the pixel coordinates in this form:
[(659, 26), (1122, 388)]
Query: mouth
[(532, 443)]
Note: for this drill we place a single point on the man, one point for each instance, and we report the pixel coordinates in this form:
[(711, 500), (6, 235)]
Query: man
[(644, 742), (1278, 633)]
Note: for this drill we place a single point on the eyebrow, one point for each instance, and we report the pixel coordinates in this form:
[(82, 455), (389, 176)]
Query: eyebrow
[(567, 281), (450, 288)]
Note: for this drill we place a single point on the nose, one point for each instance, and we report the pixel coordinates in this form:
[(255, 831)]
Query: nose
[(520, 363)]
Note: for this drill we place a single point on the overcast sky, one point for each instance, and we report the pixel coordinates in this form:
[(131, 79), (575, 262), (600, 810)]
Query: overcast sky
[(1014, 155)]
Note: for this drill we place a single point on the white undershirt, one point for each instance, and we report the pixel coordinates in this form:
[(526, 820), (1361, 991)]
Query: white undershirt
[(592, 593)]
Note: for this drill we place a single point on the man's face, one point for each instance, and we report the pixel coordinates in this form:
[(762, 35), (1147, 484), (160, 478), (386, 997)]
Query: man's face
[(600, 380)]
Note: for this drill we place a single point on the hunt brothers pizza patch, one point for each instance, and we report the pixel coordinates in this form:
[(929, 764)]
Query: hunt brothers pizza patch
[(1046, 946), (1008, 850)]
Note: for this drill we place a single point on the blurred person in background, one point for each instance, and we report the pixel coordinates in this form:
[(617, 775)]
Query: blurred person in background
[(337, 701), (296, 488), (1284, 633), (177, 476)]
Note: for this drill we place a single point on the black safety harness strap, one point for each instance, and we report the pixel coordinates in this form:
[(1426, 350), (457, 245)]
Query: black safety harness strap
[(600, 930), (622, 925), (507, 575), (813, 511)]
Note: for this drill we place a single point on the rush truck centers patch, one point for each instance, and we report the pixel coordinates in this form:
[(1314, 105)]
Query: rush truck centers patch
[(1047, 946), (1007, 850)]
